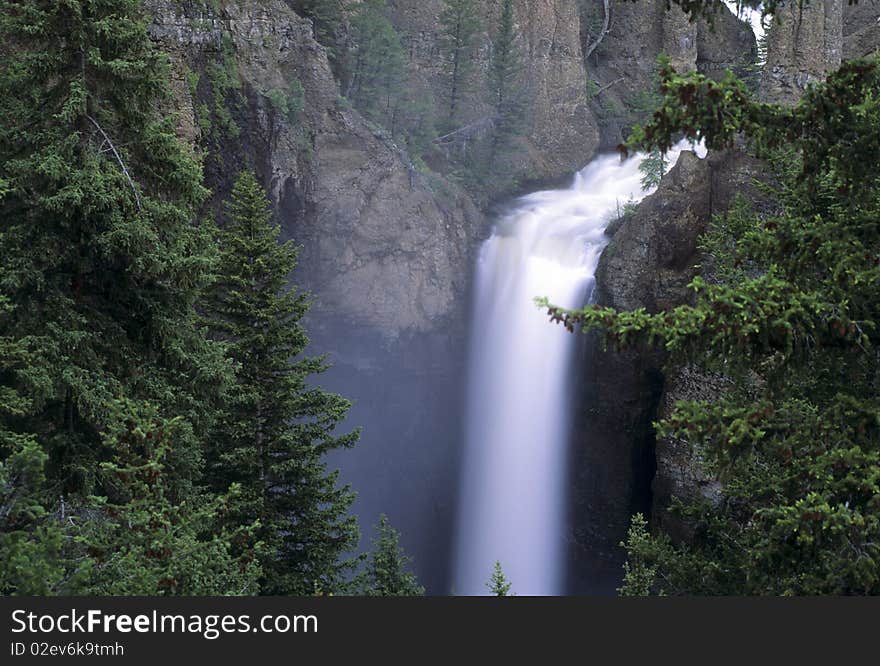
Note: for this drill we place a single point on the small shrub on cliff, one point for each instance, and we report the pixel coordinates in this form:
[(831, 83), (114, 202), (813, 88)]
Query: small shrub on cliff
[(639, 576), (288, 103), (653, 168)]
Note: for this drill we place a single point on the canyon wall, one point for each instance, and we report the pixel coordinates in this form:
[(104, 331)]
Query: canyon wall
[(804, 43), (652, 257), (388, 246), (560, 133), (622, 64), (617, 467)]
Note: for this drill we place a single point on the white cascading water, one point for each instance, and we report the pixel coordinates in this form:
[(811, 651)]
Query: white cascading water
[(512, 504)]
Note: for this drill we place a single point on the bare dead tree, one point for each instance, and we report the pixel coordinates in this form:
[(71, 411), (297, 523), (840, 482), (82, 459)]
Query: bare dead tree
[(607, 86), (467, 132), (606, 28), (118, 159)]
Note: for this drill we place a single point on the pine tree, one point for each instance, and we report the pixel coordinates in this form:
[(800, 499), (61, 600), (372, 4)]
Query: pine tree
[(101, 259), (461, 29), (381, 86), (505, 65), (498, 584), (386, 574), (326, 18), (30, 539), (505, 96), (653, 168), (639, 577), (379, 63), (276, 429), (140, 540)]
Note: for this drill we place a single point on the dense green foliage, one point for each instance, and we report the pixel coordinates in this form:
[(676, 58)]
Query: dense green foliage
[(327, 18), (142, 536), (379, 83), (101, 266), (274, 429), (111, 392), (472, 130), (288, 102), (638, 573), (379, 65), (790, 318)]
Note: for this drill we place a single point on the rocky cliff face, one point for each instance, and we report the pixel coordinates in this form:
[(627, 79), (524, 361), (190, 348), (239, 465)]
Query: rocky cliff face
[(654, 254), (561, 133), (386, 249), (804, 44), (650, 259), (669, 227), (382, 242), (564, 132), (622, 64), (861, 29), (581, 88), (648, 264)]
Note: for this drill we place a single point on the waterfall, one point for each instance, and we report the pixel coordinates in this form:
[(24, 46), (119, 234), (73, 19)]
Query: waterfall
[(512, 502)]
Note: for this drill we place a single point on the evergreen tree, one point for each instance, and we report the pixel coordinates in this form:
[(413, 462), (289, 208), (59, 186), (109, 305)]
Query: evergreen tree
[(639, 577), (326, 15), (30, 539), (140, 540), (653, 168), (379, 63), (386, 574), (461, 30), (498, 584), (101, 263), (505, 95), (330, 30), (790, 317), (275, 429), (380, 85)]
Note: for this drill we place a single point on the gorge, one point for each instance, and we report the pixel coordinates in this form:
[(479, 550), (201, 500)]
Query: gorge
[(392, 184), (389, 253), (388, 249)]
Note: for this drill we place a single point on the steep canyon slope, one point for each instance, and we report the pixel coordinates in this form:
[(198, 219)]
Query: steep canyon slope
[(654, 255), (388, 246)]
